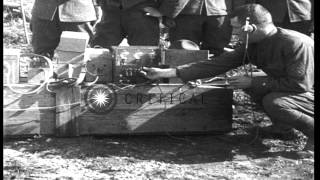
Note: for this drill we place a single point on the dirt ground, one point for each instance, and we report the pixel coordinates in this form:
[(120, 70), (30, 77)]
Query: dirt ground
[(240, 154), (236, 155)]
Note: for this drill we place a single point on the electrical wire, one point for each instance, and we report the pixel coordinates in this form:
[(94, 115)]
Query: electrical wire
[(46, 80), (246, 56), (60, 83), (42, 108), (90, 73)]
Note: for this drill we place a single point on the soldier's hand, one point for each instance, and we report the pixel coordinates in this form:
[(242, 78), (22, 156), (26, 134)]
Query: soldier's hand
[(157, 73), (151, 11)]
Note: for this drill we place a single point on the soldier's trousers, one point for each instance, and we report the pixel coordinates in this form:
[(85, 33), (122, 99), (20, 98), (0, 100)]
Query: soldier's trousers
[(46, 34), (133, 24), (211, 33), (295, 110)]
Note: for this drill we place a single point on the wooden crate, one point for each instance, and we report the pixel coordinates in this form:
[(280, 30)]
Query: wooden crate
[(148, 109), (162, 109), (28, 114), (40, 113)]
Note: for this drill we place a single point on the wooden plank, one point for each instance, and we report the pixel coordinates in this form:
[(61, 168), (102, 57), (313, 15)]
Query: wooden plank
[(172, 121), (200, 110), (29, 122), (12, 100), (21, 127), (67, 111), (28, 114)]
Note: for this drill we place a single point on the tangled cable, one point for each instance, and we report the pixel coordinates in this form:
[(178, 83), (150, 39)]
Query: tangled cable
[(46, 74), (48, 80)]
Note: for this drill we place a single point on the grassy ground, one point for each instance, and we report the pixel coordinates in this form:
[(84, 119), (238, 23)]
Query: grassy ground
[(240, 154)]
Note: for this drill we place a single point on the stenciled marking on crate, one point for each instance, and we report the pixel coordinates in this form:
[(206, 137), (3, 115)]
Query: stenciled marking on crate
[(102, 99)]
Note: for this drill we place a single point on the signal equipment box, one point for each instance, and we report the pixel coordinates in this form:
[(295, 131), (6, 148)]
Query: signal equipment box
[(128, 62)]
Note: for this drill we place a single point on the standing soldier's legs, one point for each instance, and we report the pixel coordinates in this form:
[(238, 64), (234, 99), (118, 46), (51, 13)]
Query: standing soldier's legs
[(301, 26), (141, 29), (217, 34), (187, 27), (45, 36), (109, 30)]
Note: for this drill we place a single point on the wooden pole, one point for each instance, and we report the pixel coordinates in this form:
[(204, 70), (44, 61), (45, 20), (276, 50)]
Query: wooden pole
[(24, 22)]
